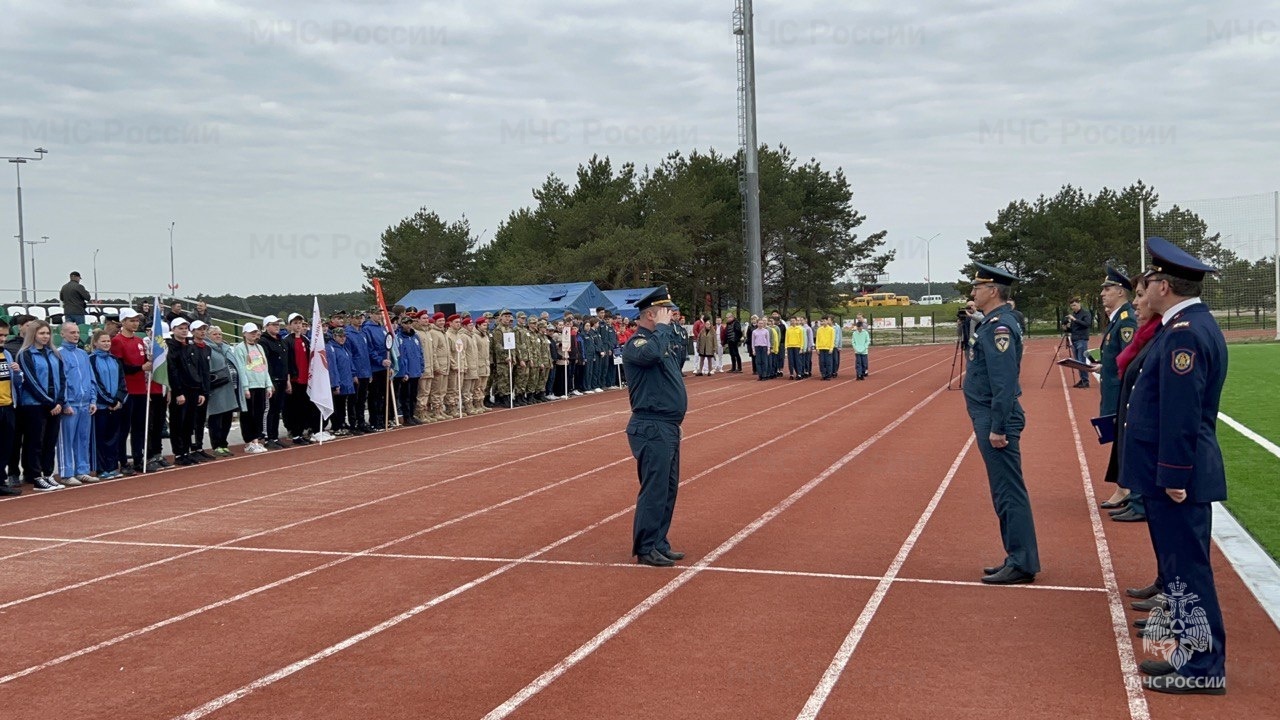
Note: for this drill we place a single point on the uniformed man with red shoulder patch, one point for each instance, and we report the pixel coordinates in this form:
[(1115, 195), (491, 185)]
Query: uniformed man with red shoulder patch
[(991, 392), (1170, 449)]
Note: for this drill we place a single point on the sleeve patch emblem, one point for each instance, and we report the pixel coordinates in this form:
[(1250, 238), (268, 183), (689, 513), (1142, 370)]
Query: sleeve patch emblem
[(639, 341), (1126, 334), (1002, 342), (1183, 361)]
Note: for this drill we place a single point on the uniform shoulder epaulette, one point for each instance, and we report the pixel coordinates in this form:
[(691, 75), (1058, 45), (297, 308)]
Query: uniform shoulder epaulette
[(1124, 314), (639, 341), (1180, 325)]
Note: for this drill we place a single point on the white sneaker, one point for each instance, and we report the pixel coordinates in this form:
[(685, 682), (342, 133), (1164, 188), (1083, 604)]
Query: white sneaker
[(576, 393), (598, 390), (87, 479), (66, 482), (322, 436)]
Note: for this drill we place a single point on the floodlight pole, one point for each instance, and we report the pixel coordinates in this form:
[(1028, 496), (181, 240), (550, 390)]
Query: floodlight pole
[(18, 161), (1275, 218), (928, 266), (744, 28)]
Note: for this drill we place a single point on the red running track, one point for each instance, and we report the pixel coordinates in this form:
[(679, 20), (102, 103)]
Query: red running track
[(479, 568)]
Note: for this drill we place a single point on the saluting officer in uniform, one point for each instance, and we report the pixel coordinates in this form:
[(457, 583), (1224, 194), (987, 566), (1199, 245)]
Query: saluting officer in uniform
[(1171, 450), (991, 392), (1122, 324), (652, 360)]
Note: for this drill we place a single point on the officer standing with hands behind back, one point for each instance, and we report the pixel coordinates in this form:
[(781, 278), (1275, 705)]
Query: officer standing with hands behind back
[(652, 360), (991, 393)]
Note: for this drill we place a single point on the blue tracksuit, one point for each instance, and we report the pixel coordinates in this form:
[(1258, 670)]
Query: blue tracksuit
[(376, 340), (74, 441), (108, 426), (357, 348), (412, 361), (340, 367)]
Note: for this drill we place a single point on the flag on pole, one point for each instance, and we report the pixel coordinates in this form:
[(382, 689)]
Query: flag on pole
[(159, 351), (319, 388)]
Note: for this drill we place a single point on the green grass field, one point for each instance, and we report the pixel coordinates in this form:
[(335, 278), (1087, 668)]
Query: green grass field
[(1251, 396)]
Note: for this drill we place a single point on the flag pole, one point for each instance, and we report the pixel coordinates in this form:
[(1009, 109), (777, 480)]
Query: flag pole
[(146, 427), (511, 381), (460, 412)]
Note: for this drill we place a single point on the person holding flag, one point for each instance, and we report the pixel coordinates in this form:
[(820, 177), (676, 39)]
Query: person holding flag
[(318, 387), (145, 388)]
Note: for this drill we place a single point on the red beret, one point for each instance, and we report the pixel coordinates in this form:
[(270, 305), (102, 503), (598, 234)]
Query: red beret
[(453, 317), (438, 316), (466, 321), (424, 313)]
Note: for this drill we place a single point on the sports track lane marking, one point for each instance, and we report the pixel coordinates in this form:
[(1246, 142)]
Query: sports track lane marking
[(254, 591), (1244, 430), (242, 456), (256, 498), (569, 563), (1138, 709), (375, 501), (541, 682), (224, 700), (841, 660), (376, 448)]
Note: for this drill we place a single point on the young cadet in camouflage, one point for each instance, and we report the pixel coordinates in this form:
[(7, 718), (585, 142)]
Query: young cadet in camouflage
[(472, 376), (439, 368), (456, 367), (991, 392), (484, 367), (422, 327)]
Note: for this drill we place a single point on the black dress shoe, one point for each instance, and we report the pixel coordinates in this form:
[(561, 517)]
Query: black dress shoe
[(1117, 504), (1009, 575), (1119, 511), (673, 554), (655, 558), (992, 570), (1156, 667), (1175, 684), (1129, 516), (1149, 591), (1141, 623), (1149, 604)]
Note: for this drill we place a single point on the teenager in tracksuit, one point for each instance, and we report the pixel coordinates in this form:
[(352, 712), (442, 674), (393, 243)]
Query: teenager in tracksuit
[(357, 347), (341, 381), (376, 343), (8, 408), (74, 461), (256, 388), (301, 417), (412, 365), (188, 390), (131, 350), (109, 395), (41, 396)]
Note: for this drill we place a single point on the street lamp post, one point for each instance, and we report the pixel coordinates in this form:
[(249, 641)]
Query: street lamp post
[(928, 268), (18, 162), (33, 243), (173, 283), (96, 296)]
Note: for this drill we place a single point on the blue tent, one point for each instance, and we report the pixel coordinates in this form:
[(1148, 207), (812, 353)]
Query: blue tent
[(626, 300), (555, 300)]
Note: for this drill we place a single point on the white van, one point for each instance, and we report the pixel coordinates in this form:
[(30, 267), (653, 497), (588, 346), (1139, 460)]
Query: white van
[(931, 300)]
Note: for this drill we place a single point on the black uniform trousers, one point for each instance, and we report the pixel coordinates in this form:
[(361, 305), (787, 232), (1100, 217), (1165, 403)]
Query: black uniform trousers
[(181, 421), (136, 406), (358, 403), (378, 399), (39, 440), (275, 408), (1008, 490), (655, 444), (1182, 534), (107, 438), (735, 358)]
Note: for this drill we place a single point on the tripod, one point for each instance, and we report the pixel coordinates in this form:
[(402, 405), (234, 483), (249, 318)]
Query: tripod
[(1063, 344), (962, 339)]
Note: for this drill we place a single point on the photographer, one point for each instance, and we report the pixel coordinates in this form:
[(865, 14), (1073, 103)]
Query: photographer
[(1077, 324), (967, 319)]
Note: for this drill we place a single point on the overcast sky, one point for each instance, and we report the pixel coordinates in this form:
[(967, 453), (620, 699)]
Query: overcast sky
[(282, 137)]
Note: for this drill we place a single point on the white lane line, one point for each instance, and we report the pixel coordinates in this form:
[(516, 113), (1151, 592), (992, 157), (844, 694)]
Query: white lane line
[(1245, 431), (832, 675), (1138, 709), (577, 656), (308, 486), (570, 563), (224, 700), (254, 591), (419, 438), (623, 459)]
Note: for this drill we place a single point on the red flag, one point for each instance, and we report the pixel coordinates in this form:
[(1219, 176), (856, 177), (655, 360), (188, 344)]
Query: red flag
[(382, 304)]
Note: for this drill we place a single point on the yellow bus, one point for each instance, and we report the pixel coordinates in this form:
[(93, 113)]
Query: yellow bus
[(879, 300)]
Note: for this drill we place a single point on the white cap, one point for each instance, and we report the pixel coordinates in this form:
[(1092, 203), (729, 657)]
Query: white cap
[(127, 313), (250, 327), (198, 324), (178, 321), (295, 316), (270, 319)]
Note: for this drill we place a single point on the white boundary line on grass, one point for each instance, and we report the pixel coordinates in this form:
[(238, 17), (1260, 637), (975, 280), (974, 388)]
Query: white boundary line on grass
[(1244, 430), (819, 696), (224, 700), (541, 682), (1138, 709)]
